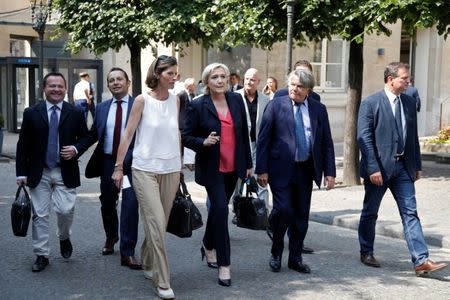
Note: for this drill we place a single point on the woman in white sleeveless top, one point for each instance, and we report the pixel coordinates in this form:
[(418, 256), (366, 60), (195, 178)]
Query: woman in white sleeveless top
[(156, 165)]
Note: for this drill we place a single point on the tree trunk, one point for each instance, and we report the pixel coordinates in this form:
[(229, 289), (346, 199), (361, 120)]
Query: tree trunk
[(135, 62), (355, 75)]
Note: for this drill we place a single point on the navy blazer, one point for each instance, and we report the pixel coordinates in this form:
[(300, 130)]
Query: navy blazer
[(276, 142), (201, 118), (33, 138), (285, 92), (377, 136), (97, 133)]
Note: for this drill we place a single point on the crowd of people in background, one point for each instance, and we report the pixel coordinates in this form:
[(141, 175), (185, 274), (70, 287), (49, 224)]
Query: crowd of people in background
[(225, 132)]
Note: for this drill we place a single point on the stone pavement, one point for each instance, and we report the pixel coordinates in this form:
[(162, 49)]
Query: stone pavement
[(342, 206), (336, 270)]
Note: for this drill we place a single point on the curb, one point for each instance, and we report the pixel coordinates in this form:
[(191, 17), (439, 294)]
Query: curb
[(394, 231)]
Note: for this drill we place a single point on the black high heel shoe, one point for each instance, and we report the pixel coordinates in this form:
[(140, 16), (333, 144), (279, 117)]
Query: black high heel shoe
[(212, 265), (224, 282)]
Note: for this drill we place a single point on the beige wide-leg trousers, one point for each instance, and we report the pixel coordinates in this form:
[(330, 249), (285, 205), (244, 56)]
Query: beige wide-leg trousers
[(155, 194)]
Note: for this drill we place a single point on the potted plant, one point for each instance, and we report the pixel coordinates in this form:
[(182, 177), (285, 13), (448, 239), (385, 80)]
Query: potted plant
[(2, 124)]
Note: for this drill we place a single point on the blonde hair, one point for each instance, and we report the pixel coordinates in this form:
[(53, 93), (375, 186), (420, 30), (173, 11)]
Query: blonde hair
[(207, 72)]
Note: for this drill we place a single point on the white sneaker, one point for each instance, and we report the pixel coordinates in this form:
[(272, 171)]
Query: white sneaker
[(165, 294), (148, 274)]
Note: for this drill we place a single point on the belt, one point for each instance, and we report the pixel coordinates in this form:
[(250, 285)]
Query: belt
[(399, 157)]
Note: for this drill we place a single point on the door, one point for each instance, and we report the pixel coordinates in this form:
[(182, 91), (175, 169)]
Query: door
[(24, 91)]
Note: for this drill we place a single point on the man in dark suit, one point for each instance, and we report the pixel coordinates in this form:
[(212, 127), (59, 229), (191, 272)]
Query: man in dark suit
[(301, 64), (235, 81), (109, 123), (48, 165), (412, 91), (390, 159), (185, 96), (295, 148)]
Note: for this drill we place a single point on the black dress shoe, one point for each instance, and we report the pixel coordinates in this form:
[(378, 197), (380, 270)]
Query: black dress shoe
[(307, 250), (40, 263), (299, 267), (130, 262), (108, 249), (369, 260), (275, 263), (66, 248)]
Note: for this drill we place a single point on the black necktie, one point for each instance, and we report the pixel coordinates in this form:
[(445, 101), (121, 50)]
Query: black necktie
[(52, 145), (399, 125)]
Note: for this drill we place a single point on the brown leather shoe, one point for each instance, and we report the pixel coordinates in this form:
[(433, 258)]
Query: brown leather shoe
[(369, 260), (108, 249), (130, 262), (429, 266)]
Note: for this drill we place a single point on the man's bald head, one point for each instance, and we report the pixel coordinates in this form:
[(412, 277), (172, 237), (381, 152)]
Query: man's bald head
[(251, 81)]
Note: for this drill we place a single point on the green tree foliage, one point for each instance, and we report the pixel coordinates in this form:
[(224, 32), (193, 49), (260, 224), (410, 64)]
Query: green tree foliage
[(263, 22), (104, 24)]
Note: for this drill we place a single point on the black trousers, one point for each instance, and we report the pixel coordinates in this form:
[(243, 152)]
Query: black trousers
[(109, 196), (216, 232), (291, 206)]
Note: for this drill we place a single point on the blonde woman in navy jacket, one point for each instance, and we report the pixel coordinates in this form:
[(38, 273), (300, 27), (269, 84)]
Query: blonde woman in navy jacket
[(216, 129)]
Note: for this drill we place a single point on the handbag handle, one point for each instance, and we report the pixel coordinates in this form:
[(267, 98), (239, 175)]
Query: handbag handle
[(20, 188), (184, 189)]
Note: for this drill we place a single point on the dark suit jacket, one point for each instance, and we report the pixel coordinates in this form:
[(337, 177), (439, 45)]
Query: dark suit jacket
[(276, 142), (285, 92), (97, 133), (377, 136), (32, 144), (413, 92), (201, 119), (184, 101)]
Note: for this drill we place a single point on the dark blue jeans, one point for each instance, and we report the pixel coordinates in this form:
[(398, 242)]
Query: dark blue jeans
[(402, 188), (83, 106)]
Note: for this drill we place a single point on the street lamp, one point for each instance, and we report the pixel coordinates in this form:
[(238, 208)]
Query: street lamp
[(290, 17), (39, 12)]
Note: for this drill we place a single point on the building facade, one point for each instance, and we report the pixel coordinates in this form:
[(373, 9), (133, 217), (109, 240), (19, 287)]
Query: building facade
[(428, 56)]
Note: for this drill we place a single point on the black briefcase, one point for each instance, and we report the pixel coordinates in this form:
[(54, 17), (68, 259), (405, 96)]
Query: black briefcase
[(184, 216), (251, 212), (21, 212)]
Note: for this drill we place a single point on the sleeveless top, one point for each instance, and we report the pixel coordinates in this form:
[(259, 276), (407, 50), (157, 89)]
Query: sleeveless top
[(157, 143)]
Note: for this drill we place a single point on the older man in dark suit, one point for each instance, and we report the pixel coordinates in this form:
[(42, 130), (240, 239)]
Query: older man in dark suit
[(390, 159), (109, 122), (48, 165), (295, 148)]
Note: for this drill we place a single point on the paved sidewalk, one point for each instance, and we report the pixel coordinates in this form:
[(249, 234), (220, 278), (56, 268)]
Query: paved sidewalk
[(342, 206)]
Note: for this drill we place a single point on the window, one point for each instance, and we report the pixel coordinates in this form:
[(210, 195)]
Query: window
[(328, 62)]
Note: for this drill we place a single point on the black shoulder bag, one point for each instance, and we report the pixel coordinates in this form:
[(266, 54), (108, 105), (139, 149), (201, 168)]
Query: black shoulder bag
[(184, 216)]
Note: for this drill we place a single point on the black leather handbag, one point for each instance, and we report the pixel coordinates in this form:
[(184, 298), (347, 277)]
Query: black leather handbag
[(251, 212), (21, 212), (184, 216)]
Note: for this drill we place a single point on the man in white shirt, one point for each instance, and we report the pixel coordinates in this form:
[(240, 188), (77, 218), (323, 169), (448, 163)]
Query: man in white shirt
[(81, 93)]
